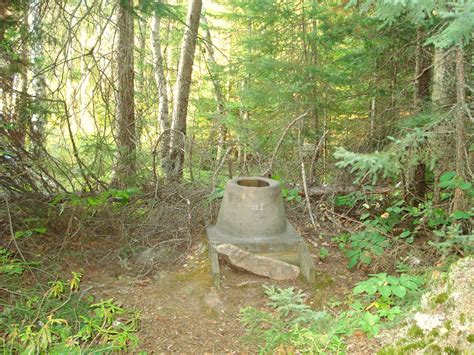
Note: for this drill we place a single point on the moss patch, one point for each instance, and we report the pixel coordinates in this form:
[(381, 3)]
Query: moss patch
[(451, 351), (415, 332), (434, 350), (441, 298), (322, 281)]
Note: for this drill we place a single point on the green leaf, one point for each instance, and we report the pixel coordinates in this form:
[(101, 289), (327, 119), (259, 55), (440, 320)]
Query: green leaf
[(385, 291), (460, 215), (364, 216), (410, 282), (399, 291), (404, 234), (366, 258), (465, 185), (449, 183), (447, 176), (377, 250), (353, 260), (366, 287), (23, 234)]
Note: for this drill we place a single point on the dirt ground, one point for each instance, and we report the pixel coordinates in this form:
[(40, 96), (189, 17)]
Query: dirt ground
[(181, 309)]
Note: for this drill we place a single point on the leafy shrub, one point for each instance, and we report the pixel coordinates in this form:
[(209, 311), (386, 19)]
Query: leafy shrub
[(386, 287), (293, 326), (362, 247), (10, 265), (290, 323), (58, 320)]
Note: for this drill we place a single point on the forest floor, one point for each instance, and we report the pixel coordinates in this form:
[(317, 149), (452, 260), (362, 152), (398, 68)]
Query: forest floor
[(181, 310)]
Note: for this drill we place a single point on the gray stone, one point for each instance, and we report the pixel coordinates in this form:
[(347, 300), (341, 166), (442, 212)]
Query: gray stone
[(257, 264), (153, 255), (445, 319)]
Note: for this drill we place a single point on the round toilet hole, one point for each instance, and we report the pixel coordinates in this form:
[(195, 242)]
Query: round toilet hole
[(253, 183)]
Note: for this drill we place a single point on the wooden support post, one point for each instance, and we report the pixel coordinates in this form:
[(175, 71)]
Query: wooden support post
[(306, 263), (215, 270)]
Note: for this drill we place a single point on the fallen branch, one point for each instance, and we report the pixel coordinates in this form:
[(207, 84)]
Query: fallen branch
[(318, 191)]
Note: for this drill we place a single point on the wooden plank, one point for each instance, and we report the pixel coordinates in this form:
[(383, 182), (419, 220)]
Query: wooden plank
[(215, 270), (306, 263)]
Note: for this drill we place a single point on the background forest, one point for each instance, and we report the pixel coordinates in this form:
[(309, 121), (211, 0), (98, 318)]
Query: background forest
[(121, 121)]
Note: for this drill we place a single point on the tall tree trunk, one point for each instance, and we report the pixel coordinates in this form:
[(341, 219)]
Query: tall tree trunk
[(313, 60), (218, 92), (141, 85), (38, 119), (7, 72), (443, 73), (181, 96), (126, 141), (443, 97), (461, 157), (22, 101), (416, 188), (161, 84), (422, 80)]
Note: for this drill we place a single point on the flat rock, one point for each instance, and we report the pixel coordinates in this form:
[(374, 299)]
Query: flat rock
[(153, 255), (257, 264)]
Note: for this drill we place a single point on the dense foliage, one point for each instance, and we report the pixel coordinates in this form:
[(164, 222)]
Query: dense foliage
[(98, 105)]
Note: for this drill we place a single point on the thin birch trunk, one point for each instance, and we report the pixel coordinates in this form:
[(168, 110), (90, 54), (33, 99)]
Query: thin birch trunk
[(183, 84), (218, 92), (38, 82), (461, 136), (161, 84)]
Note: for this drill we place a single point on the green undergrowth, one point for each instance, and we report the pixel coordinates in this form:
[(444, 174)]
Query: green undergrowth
[(406, 239), (56, 317), (290, 323), (388, 221)]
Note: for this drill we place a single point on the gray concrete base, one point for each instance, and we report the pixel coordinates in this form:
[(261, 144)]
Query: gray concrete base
[(288, 247), (252, 217)]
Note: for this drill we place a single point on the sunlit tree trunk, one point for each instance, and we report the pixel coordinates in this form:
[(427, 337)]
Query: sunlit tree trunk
[(443, 78), (218, 92), (125, 115), (38, 119), (183, 83), (8, 67), (161, 84), (141, 85), (21, 109), (311, 53), (461, 136)]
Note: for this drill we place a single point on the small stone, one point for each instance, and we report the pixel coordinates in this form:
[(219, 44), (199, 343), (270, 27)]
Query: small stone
[(150, 256), (214, 302), (146, 257), (428, 322), (257, 264)]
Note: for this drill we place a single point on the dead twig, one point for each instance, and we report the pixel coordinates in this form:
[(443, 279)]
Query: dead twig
[(280, 141), (214, 176), (305, 183)]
